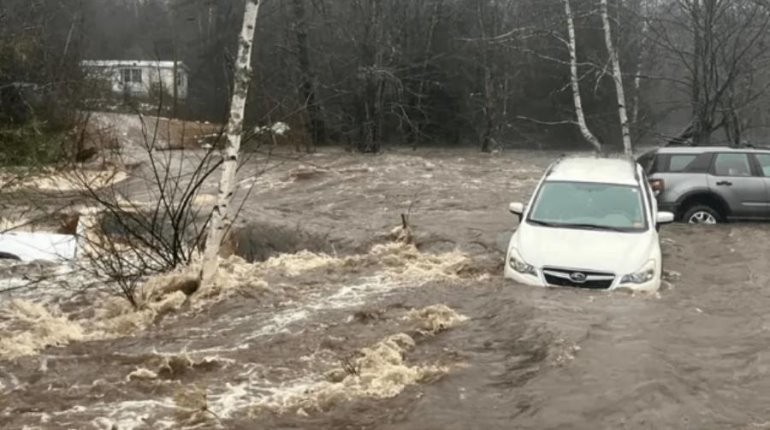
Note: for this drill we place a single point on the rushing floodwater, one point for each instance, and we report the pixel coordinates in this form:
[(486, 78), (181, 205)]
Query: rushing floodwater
[(693, 357)]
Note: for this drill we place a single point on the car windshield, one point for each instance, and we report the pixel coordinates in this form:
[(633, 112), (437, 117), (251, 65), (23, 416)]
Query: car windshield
[(592, 206)]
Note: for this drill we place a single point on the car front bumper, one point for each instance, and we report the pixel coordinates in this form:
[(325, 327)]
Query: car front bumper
[(539, 281)]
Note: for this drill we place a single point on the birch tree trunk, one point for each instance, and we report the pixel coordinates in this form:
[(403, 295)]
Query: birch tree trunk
[(220, 218), (618, 78), (638, 76), (642, 51), (581, 119)]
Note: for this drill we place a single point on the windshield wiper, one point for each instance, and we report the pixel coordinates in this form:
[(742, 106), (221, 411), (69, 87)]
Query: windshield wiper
[(593, 227), (544, 223), (584, 226)]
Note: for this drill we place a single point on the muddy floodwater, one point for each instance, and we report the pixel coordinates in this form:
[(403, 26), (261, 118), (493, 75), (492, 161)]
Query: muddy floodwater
[(334, 326)]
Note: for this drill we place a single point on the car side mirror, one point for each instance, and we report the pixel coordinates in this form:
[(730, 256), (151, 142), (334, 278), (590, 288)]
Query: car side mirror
[(664, 218), (516, 208)]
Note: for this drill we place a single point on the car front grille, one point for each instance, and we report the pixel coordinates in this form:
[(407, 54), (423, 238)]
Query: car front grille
[(578, 278)]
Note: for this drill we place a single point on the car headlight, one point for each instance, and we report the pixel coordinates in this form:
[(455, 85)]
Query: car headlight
[(645, 274), (519, 265)]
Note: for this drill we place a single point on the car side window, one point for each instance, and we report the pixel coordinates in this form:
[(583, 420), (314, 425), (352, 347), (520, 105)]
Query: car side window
[(764, 163), (735, 165), (679, 163), (701, 164)]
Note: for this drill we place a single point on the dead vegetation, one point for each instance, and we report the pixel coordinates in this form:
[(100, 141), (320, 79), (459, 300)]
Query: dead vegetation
[(130, 240)]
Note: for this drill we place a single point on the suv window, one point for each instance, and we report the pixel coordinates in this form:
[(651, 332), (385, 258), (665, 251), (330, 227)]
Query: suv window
[(701, 163), (679, 163), (732, 165), (764, 163)]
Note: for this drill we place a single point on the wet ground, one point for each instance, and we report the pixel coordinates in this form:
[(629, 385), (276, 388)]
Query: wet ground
[(362, 333)]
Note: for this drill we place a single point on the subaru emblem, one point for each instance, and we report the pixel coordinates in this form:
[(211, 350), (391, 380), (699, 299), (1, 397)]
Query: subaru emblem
[(577, 277)]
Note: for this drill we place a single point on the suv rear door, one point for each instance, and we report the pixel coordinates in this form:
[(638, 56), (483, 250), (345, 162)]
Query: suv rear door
[(734, 179), (763, 162)]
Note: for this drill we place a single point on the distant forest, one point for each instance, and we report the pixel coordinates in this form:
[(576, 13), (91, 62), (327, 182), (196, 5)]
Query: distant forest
[(490, 73)]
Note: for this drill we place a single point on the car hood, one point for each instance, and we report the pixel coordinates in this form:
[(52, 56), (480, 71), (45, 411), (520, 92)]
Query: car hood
[(619, 253)]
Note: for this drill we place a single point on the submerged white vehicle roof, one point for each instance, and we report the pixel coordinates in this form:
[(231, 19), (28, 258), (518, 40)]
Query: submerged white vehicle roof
[(599, 170), (29, 246)]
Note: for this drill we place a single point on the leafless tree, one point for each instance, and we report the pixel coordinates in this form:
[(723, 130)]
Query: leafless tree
[(221, 217), (307, 86), (374, 72), (720, 44), (40, 81), (575, 79), (617, 75), (154, 223), (416, 125), (646, 8)]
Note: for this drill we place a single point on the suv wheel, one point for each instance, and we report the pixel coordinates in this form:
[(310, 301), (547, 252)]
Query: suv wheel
[(700, 214)]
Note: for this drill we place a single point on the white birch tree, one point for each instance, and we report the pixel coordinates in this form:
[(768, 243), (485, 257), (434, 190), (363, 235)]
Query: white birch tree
[(575, 80), (617, 77), (646, 8), (220, 219)]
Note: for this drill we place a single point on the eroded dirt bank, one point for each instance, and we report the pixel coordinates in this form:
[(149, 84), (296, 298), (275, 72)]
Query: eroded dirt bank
[(364, 333)]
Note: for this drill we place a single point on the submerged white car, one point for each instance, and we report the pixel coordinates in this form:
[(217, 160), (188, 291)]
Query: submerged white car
[(591, 223)]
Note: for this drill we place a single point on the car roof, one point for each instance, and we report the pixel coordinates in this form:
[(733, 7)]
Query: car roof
[(704, 149), (595, 169)]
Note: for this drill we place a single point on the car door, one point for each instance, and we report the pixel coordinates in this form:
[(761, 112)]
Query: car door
[(732, 178), (763, 162)]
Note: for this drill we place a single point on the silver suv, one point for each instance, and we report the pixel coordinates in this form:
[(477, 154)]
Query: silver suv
[(709, 185)]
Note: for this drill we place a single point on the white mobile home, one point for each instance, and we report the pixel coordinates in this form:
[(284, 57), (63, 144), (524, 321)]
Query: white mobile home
[(141, 78)]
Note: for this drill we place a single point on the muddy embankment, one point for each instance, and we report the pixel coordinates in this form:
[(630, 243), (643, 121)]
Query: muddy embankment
[(330, 324)]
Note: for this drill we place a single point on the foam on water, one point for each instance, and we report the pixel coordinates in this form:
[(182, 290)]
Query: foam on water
[(38, 328), (435, 319), (133, 414), (379, 371), (344, 297)]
